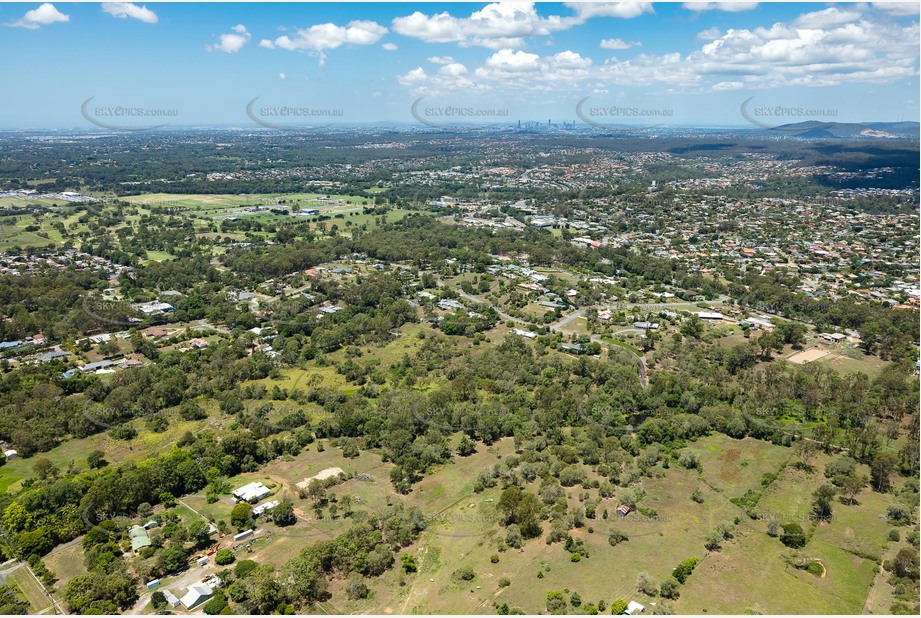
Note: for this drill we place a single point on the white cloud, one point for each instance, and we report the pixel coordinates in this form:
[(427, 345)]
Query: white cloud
[(710, 34), (440, 59), (320, 38), (508, 61), (619, 44), (42, 16), (389, 46), (495, 26), (624, 10), (784, 54), (826, 18), (282, 76), (124, 10), (898, 8), (729, 7), (232, 42)]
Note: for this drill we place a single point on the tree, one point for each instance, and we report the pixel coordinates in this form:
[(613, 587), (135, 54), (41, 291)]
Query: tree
[(356, 587), (821, 504), (241, 516), (316, 491), (224, 556), (645, 584), (616, 537), (556, 602), (805, 452), (575, 599), (283, 513), (684, 570), (618, 607), (158, 600), (851, 485), (409, 563), (466, 447), (37, 541), (669, 588), (244, 568), (215, 604), (714, 541), (513, 536), (692, 326), (198, 532), (171, 560), (45, 469), (793, 536), (97, 459), (880, 469), (905, 564)]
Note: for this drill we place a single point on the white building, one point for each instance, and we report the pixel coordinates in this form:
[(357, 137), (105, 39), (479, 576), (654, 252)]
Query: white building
[(633, 608), (251, 492), (197, 594), (265, 506)]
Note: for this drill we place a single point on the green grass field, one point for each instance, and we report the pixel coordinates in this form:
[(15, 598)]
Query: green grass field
[(31, 589)]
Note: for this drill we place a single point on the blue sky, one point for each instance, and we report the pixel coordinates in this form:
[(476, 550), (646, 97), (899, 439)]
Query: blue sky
[(636, 63)]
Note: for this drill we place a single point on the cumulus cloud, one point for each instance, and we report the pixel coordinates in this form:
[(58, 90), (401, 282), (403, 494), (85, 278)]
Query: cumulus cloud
[(898, 8), (495, 26), (42, 16), (826, 18), (619, 44), (710, 34), (232, 42), (624, 10), (124, 10), (802, 52), (320, 38), (389, 46), (729, 7)]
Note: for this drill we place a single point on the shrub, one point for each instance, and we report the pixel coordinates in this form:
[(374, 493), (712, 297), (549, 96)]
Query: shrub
[(618, 607), (244, 568), (793, 536), (616, 537), (504, 582), (466, 573), (894, 535), (356, 588), (684, 570), (645, 584), (224, 556), (575, 557), (158, 600), (669, 588), (217, 603), (556, 602)]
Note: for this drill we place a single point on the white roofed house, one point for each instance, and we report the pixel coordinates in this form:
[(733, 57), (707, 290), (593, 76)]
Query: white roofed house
[(251, 492), (197, 594), (633, 608)]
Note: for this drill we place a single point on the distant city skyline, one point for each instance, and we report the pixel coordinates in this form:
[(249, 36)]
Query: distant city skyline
[(720, 64)]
